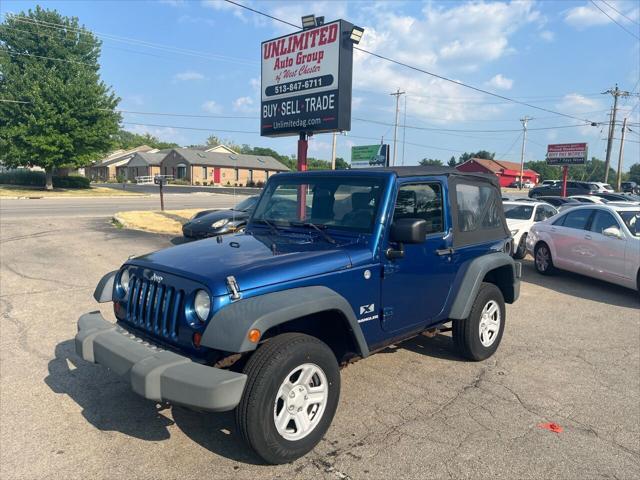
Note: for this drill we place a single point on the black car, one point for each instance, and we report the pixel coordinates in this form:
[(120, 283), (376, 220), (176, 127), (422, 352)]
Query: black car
[(613, 197), (573, 188), (630, 187), (560, 202), (210, 223)]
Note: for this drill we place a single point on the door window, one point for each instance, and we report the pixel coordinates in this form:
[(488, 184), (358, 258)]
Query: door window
[(602, 221), (577, 219), (478, 208), (421, 200)]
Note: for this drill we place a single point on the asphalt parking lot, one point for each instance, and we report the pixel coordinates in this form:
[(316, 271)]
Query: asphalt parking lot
[(570, 355)]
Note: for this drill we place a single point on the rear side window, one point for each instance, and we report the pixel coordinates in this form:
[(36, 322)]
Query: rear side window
[(602, 221), (478, 208), (421, 200), (577, 219)]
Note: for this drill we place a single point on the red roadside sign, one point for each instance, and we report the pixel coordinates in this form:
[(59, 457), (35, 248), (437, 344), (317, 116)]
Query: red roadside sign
[(565, 154)]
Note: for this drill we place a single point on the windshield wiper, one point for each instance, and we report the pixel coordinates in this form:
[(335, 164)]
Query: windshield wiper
[(272, 227), (324, 234)]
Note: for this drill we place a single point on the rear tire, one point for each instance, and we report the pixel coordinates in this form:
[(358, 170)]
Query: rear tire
[(277, 416), (543, 260), (478, 336), (521, 251)]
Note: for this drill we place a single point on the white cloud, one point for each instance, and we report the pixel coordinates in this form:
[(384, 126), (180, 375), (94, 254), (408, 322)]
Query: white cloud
[(166, 134), (547, 35), (500, 82), (212, 107), (174, 3), (188, 76), (443, 39), (588, 15), (245, 105), (222, 6), (581, 107)]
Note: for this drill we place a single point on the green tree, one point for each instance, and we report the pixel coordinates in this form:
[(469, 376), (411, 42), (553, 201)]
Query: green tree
[(126, 140), (341, 164), (547, 172), (214, 141), (452, 161), (432, 162), (479, 154), (60, 114), (634, 173)]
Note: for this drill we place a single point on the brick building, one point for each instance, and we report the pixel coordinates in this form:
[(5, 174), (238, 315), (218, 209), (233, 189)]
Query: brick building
[(507, 172)]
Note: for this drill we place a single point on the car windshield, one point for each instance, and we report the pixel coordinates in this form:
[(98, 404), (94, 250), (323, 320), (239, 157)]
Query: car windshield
[(631, 219), (246, 204), (518, 212), (338, 202)]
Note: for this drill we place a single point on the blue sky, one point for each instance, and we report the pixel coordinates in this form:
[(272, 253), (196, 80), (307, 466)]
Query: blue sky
[(202, 58)]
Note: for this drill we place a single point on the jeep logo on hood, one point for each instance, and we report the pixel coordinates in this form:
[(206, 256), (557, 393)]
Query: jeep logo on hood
[(156, 278)]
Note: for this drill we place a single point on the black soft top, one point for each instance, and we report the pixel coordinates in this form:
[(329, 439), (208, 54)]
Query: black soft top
[(420, 171)]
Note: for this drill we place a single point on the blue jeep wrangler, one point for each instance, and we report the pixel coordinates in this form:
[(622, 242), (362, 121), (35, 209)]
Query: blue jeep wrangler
[(332, 267)]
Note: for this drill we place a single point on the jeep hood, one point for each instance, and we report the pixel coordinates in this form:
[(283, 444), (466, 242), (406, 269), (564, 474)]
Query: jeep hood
[(254, 260)]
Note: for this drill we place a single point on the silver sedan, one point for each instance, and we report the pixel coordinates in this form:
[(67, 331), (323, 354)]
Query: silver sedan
[(600, 241)]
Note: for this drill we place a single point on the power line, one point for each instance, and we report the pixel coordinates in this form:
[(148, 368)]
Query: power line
[(179, 127), (616, 22), (47, 58), (188, 115), (619, 13), (426, 72)]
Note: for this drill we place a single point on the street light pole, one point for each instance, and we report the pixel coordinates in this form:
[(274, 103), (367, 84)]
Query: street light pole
[(621, 156), (395, 130), (524, 121)]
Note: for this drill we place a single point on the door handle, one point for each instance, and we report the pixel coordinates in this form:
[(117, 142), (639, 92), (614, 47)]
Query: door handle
[(587, 237), (445, 251)]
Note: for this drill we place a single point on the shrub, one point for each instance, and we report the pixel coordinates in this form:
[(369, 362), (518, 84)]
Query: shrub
[(179, 181), (251, 183), (259, 184), (37, 179), (196, 183)]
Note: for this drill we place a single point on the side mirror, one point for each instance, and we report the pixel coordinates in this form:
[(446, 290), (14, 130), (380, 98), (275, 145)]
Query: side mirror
[(613, 232), (406, 230), (409, 230)]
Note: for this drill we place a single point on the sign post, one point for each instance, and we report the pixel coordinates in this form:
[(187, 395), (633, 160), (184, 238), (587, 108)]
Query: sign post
[(564, 155)]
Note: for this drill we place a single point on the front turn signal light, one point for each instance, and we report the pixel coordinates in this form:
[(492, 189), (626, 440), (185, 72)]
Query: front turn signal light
[(254, 335)]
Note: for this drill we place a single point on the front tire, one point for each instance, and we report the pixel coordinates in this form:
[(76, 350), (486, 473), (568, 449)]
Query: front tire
[(478, 336), (290, 398), (521, 251)]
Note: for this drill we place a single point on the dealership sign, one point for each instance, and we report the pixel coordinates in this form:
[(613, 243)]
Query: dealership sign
[(366, 156), (306, 81), (567, 154)]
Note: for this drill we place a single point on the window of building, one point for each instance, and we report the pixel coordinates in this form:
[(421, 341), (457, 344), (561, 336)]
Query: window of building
[(181, 171), (237, 174), (204, 173), (251, 175)]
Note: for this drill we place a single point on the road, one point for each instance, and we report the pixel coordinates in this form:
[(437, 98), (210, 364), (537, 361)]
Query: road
[(570, 355), (106, 206), (150, 188)]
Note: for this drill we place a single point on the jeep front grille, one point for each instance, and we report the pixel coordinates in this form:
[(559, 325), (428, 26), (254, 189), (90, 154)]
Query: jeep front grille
[(154, 307)]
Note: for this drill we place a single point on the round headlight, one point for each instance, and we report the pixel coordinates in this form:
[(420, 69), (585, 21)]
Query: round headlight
[(220, 223), (202, 305), (124, 281)]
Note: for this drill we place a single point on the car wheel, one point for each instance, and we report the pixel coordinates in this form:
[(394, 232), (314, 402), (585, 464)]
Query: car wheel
[(543, 259), (290, 397), (521, 251), (478, 336)]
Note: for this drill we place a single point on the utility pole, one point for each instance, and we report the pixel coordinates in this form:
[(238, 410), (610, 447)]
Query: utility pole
[(404, 128), (333, 152), (395, 130), (621, 155), (524, 121), (615, 92)]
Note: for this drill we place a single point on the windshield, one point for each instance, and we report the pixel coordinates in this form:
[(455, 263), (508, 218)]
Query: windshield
[(246, 204), (518, 212), (343, 203), (632, 220)]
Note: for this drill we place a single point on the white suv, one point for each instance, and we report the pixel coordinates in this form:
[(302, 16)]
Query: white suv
[(602, 187)]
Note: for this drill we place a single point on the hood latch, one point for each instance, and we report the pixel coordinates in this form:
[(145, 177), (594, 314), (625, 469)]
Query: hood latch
[(232, 285)]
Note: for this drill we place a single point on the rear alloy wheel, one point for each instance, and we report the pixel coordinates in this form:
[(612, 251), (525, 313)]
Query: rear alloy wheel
[(521, 251), (290, 398), (478, 336), (542, 259)]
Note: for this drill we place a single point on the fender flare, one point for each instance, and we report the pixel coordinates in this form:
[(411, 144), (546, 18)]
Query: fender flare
[(473, 276), (227, 329), (104, 290)]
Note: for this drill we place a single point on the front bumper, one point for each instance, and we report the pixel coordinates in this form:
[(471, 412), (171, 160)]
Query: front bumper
[(154, 373)]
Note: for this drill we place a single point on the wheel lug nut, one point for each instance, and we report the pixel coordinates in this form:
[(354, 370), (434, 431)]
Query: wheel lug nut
[(292, 394), (306, 398), (300, 409), (300, 389)]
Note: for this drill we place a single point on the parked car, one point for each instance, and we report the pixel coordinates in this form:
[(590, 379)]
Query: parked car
[(260, 321), (573, 188), (595, 240), (560, 202), (526, 184), (520, 217), (588, 199), (210, 223), (613, 197), (602, 187), (545, 183), (630, 187)]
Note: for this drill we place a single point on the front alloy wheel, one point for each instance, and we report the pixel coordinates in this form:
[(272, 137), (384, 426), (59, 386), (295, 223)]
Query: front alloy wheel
[(542, 259), (290, 398)]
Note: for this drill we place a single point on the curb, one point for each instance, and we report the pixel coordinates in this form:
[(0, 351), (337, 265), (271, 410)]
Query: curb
[(120, 223)]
